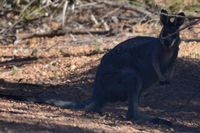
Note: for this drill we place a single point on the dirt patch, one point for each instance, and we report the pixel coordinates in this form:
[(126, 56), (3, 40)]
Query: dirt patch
[(67, 72)]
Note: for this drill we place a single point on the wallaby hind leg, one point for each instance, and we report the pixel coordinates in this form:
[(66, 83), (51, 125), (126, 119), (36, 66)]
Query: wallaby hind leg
[(133, 113)]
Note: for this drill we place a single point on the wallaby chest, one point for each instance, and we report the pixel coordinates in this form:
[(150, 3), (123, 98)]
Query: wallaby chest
[(168, 56)]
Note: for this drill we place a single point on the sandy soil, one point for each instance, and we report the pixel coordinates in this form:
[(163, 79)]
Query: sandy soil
[(67, 72)]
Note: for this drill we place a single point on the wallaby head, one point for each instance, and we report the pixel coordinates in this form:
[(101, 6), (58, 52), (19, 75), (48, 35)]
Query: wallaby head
[(170, 25)]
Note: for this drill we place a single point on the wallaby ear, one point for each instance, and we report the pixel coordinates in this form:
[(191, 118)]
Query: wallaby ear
[(164, 19), (178, 21)]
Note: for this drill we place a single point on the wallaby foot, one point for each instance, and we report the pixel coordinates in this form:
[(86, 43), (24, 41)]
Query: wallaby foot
[(141, 117), (93, 108)]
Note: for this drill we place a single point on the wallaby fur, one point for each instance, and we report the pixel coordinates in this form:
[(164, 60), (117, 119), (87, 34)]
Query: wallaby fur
[(131, 67)]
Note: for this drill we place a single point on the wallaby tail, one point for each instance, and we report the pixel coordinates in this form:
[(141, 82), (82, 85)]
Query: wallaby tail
[(55, 102), (67, 104)]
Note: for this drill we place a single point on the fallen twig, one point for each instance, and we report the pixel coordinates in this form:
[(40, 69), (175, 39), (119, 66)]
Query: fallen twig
[(90, 6), (67, 9), (60, 32), (110, 13), (129, 7), (190, 40), (43, 34), (179, 16)]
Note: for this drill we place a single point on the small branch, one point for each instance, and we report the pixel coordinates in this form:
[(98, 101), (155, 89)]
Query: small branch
[(59, 32), (43, 34), (129, 7), (189, 25), (65, 7), (190, 40), (179, 16), (93, 18), (92, 7), (110, 13), (87, 5), (99, 32)]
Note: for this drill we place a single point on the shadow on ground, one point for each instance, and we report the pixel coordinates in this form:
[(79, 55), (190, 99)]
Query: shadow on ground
[(179, 102), (18, 127)]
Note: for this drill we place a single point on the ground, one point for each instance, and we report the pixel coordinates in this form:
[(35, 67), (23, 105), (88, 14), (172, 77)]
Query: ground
[(39, 68)]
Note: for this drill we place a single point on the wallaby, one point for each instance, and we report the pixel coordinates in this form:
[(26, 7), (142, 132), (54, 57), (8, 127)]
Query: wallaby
[(131, 67)]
